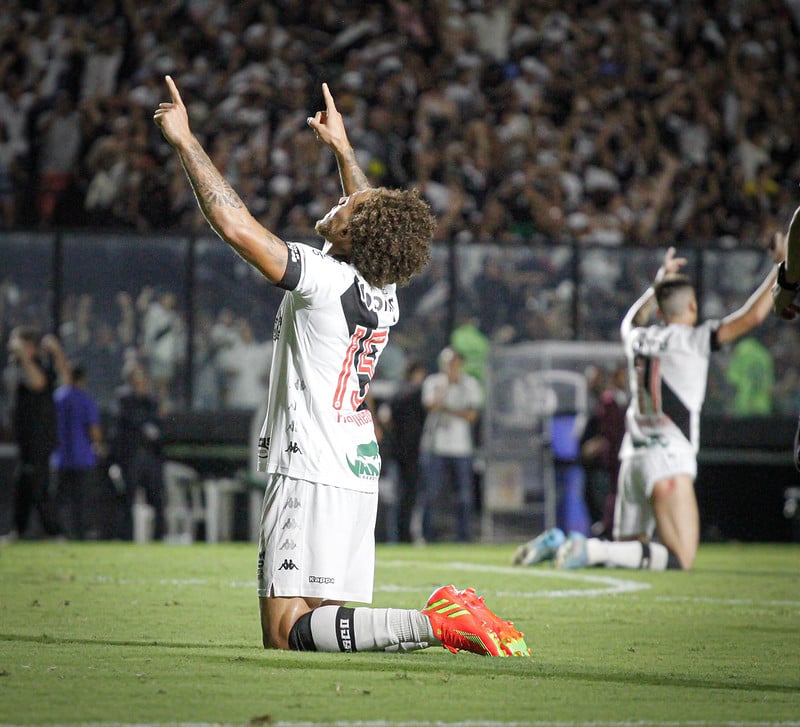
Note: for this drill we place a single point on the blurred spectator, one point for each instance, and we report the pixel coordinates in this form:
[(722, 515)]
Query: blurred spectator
[(407, 420), (599, 451), (751, 371), (245, 368), (10, 176), (36, 365), (163, 342), (453, 400), (80, 439), (136, 446), (60, 137)]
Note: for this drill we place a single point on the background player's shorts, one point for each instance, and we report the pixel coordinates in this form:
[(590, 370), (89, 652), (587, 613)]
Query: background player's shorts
[(316, 541), (638, 474)]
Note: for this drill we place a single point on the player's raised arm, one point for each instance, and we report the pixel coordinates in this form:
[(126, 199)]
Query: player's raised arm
[(220, 204), (329, 128), (785, 291), (753, 312)]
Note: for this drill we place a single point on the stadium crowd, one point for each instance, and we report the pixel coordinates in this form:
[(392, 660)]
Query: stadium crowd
[(648, 121)]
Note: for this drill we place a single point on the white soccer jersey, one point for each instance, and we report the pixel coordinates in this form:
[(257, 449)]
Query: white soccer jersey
[(329, 332), (667, 373)]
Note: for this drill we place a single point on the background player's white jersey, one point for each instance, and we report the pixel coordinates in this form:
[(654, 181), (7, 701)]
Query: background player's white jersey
[(667, 373), (329, 332)]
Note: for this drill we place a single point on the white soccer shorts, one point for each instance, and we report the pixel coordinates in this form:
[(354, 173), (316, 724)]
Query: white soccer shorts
[(638, 474), (316, 541)]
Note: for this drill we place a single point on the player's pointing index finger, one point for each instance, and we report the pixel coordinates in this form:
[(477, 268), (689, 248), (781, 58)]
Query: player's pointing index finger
[(329, 104), (173, 91)]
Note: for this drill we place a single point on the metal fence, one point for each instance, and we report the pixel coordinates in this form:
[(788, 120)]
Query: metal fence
[(202, 317)]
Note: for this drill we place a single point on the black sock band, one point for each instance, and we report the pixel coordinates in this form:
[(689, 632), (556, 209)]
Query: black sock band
[(300, 638), (644, 564), (345, 629), (673, 562)]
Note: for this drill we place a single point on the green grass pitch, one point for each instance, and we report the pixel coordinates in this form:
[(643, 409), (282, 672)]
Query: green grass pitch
[(127, 634)]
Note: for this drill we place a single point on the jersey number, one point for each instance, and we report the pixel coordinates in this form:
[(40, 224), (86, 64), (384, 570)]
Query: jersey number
[(361, 357)]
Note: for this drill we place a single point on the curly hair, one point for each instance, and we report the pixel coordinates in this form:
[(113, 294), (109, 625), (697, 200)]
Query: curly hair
[(391, 235)]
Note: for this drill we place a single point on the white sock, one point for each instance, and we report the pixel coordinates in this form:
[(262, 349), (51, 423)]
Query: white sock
[(336, 628), (627, 554)]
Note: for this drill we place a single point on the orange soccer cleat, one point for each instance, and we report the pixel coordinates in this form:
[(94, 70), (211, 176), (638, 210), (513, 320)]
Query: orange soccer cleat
[(463, 622)]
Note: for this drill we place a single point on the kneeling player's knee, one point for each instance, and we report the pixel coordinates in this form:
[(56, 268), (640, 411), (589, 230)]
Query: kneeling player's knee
[(300, 637)]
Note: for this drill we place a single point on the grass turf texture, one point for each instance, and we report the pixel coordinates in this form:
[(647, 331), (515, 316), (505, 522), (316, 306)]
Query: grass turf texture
[(155, 634)]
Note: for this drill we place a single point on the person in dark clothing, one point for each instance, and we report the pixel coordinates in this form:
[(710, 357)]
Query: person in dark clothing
[(408, 418), (600, 447), (80, 440), (35, 366), (137, 447)]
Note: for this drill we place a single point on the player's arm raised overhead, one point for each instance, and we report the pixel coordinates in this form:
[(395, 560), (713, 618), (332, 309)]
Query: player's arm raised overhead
[(752, 313), (785, 292), (329, 127), (639, 312), (220, 204)]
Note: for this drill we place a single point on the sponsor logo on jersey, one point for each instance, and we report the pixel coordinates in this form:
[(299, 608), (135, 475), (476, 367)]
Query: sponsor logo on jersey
[(290, 524), (288, 564), (367, 461), (288, 544), (293, 448), (360, 418), (321, 579)]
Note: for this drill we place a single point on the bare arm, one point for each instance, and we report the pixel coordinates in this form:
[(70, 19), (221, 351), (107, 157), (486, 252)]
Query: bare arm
[(753, 312), (220, 204), (783, 298), (329, 127), (52, 345), (35, 377)]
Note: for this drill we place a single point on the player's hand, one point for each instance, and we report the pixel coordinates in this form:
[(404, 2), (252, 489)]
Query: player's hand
[(671, 265), (172, 118), (328, 124), (777, 247), (783, 303)]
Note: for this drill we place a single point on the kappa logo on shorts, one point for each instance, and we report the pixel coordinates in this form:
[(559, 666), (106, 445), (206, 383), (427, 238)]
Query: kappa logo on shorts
[(321, 579), (290, 524), (293, 503), (288, 564), (288, 544)]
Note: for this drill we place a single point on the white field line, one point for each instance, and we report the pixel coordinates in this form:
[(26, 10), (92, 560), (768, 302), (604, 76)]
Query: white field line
[(605, 585), (608, 585)]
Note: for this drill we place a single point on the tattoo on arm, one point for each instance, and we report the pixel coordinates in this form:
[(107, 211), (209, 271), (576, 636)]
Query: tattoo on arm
[(353, 178), (210, 188)]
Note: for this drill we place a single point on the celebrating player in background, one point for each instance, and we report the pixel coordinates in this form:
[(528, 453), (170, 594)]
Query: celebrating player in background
[(318, 444), (787, 287), (667, 373)]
